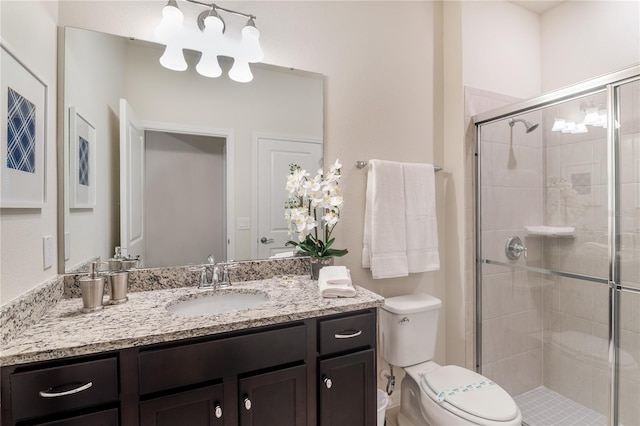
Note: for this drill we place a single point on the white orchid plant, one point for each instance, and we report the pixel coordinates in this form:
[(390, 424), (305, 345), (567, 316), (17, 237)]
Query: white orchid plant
[(308, 199)]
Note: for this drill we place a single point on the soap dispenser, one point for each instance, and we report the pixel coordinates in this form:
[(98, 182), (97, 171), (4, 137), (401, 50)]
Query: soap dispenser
[(115, 263), (92, 289)]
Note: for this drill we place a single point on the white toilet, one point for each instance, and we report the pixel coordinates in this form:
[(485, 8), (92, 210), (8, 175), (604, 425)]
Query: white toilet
[(430, 394)]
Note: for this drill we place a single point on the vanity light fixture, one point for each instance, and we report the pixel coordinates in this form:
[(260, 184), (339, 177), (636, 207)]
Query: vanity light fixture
[(558, 125), (594, 115), (208, 36)]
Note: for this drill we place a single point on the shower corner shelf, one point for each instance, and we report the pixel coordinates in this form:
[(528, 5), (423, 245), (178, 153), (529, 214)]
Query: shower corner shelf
[(551, 231)]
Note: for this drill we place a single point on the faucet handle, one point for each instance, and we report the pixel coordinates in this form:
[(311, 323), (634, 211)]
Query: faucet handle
[(226, 267)]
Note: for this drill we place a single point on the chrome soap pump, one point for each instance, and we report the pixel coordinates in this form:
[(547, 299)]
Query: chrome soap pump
[(115, 263), (92, 289)]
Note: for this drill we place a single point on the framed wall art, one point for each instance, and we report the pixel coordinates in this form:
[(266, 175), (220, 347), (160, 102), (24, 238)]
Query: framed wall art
[(82, 161), (23, 126)]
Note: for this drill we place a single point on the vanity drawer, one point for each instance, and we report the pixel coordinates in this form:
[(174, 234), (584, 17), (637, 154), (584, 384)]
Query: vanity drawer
[(51, 390), (347, 333), (189, 364)]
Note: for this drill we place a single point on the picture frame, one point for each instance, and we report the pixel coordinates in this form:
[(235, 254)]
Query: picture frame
[(82, 161), (23, 134)]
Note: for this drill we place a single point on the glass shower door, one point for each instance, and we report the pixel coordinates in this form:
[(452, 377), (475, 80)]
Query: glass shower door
[(558, 252), (628, 253)]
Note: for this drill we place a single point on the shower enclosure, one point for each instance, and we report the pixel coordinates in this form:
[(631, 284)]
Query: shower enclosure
[(558, 252)]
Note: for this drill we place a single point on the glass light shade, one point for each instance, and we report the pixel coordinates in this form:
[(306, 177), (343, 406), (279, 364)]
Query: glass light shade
[(580, 128), (591, 117), (602, 116), (250, 31), (569, 127), (173, 59), (558, 125), (213, 24), (208, 65), (171, 15), (240, 72), (251, 43)]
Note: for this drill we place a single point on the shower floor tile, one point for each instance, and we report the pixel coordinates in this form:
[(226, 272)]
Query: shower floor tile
[(544, 407)]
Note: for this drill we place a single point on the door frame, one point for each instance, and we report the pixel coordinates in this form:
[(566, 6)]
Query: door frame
[(229, 159), (254, 180)]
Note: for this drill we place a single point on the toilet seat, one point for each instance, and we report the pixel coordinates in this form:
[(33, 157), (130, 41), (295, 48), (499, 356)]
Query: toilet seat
[(466, 394)]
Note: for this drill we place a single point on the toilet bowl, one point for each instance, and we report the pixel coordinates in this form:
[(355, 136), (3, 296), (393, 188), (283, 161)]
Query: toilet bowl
[(431, 394)]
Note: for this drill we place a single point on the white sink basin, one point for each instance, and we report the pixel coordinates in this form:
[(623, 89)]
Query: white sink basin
[(218, 303)]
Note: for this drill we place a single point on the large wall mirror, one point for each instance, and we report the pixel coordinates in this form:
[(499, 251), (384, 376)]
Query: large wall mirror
[(173, 165)]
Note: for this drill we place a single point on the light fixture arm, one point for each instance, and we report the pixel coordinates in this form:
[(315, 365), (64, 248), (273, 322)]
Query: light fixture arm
[(215, 6)]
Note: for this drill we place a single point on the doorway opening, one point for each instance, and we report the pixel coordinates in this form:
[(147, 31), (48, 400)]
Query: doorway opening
[(185, 198)]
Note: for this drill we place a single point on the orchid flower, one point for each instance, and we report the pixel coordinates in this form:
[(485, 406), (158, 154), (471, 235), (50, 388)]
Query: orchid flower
[(308, 199)]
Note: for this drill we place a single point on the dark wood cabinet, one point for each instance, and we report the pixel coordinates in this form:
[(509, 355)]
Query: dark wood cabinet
[(199, 407), (347, 389), (347, 370), (277, 398), (264, 376), (100, 418)]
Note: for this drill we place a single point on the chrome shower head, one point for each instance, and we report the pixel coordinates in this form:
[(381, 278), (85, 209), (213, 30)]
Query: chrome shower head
[(529, 126)]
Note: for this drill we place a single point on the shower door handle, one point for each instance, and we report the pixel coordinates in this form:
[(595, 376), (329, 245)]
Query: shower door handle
[(514, 248)]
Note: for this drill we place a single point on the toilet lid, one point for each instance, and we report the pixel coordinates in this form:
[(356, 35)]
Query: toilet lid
[(471, 392)]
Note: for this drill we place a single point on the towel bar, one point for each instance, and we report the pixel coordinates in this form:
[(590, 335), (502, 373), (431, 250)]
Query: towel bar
[(361, 164)]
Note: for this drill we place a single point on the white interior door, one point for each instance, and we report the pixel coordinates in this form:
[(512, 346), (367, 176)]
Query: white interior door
[(274, 157), (131, 183)]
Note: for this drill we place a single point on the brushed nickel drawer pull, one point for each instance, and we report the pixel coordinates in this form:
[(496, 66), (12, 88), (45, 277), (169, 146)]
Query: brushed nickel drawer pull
[(48, 394), (352, 333)]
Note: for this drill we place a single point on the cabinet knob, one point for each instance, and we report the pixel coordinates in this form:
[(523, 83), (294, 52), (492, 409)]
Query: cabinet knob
[(327, 382), (247, 403), (217, 411)]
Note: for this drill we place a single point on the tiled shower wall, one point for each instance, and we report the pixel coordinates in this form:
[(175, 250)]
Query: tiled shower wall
[(512, 197)]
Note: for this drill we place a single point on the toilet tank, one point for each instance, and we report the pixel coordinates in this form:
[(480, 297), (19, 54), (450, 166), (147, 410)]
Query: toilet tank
[(408, 328)]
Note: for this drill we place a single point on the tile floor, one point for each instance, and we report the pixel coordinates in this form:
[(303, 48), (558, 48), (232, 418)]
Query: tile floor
[(544, 407)]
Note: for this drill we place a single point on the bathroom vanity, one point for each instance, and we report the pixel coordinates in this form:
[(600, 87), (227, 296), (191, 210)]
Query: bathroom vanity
[(297, 359)]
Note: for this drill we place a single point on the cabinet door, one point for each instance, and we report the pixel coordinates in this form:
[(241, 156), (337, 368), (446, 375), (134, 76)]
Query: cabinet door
[(347, 392), (278, 398), (101, 418), (200, 407)]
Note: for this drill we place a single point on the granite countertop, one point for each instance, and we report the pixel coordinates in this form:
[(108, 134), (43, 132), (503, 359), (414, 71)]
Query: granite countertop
[(64, 331)]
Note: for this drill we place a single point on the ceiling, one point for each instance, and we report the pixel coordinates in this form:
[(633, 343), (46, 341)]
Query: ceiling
[(537, 6)]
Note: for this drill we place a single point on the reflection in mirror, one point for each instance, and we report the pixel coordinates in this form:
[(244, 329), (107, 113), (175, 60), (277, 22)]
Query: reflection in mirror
[(192, 176)]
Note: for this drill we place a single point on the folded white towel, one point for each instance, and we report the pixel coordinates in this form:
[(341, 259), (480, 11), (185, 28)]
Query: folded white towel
[(384, 241), (335, 275), (282, 255), (420, 217), (335, 281)]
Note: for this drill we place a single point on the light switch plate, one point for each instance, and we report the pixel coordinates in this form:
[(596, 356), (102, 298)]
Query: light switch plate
[(243, 223), (67, 246), (47, 252)]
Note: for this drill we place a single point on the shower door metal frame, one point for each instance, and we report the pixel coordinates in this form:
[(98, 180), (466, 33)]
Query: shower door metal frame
[(610, 84)]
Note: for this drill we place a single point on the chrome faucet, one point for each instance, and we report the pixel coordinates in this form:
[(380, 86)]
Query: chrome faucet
[(204, 283), (219, 274)]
